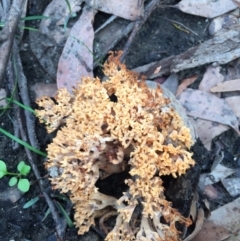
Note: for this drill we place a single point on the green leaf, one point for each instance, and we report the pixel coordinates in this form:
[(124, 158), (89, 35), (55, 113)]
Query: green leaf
[(36, 17), (23, 168), (26, 169), (3, 167), (23, 185), (46, 214), (13, 181), (22, 142), (10, 100), (30, 202), (20, 166), (66, 216), (2, 174)]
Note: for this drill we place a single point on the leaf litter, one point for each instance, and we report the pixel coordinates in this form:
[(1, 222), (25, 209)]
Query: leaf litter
[(213, 114), (209, 107), (207, 8)]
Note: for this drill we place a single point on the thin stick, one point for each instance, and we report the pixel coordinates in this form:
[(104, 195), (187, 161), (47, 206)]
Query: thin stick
[(7, 35), (148, 10), (22, 83)]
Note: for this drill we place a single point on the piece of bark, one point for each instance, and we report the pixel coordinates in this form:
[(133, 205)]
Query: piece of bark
[(221, 49)]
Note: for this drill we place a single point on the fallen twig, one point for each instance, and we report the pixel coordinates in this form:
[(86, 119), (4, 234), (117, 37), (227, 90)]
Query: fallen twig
[(221, 49), (22, 84), (148, 10), (8, 34)]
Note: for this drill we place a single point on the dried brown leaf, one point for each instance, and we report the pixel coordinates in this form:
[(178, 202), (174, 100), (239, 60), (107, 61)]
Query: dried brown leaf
[(211, 231), (185, 83), (41, 89), (207, 130), (233, 102), (207, 8), (131, 10), (209, 107), (76, 60), (211, 78), (230, 212), (232, 185), (231, 85)]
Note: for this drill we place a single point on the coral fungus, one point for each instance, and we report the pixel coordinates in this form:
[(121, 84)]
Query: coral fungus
[(138, 132)]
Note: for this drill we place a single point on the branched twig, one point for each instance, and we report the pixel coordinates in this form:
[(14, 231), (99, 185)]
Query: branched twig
[(7, 35), (148, 10)]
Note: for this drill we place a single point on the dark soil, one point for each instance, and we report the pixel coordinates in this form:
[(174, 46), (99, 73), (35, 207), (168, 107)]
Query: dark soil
[(158, 39)]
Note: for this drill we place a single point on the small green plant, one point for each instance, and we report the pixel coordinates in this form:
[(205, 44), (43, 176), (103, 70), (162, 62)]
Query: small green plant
[(23, 184)]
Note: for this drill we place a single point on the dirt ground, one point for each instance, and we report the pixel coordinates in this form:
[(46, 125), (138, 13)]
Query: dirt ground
[(158, 39)]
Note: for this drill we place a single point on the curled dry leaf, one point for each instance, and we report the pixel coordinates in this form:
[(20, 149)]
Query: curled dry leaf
[(185, 83), (198, 225), (207, 106), (231, 85), (76, 60), (207, 8)]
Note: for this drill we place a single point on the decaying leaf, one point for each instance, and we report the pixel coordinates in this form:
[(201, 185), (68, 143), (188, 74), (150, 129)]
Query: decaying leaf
[(234, 237), (198, 225), (232, 185), (207, 106), (58, 14), (41, 89), (171, 83), (207, 8), (231, 85), (207, 130), (223, 21), (131, 10), (211, 77), (218, 174), (233, 102), (211, 192), (76, 60), (185, 83), (230, 212), (211, 231)]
